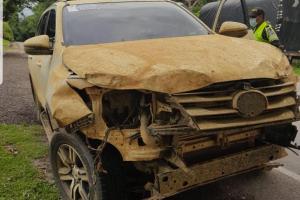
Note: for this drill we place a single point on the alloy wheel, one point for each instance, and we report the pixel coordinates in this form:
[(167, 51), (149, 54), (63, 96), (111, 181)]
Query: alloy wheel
[(72, 173)]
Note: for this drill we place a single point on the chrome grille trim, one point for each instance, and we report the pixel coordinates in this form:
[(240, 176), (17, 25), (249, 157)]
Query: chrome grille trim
[(211, 107)]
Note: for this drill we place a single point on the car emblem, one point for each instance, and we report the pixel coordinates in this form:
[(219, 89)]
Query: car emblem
[(250, 103)]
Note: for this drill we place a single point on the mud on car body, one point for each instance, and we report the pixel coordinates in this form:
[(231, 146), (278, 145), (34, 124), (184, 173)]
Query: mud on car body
[(139, 99)]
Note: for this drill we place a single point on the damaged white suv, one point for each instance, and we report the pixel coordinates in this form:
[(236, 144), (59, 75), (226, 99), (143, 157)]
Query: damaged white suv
[(139, 99)]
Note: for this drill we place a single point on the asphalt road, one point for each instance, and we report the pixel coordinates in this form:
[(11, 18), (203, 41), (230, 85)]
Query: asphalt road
[(16, 106)]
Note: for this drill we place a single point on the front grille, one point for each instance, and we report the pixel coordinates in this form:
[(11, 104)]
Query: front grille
[(211, 107)]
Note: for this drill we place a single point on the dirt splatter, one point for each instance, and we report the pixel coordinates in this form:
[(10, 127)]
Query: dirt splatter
[(44, 169), (11, 149)]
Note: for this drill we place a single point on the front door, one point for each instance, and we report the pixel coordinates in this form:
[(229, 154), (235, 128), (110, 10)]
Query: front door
[(39, 64)]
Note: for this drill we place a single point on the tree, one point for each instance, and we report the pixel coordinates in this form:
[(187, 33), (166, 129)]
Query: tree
[(26, 28), (10, 7), (195, 5), (7, 32)]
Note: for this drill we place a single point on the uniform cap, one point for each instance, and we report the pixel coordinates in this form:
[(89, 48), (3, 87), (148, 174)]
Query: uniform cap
[(256, 12)]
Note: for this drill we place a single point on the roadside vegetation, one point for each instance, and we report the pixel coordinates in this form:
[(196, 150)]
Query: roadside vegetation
[(20, 147), (8, 35), (5, 44), (23, 26), (297, 67)]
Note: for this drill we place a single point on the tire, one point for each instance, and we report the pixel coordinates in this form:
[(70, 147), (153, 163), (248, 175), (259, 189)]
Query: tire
[(81, 171)]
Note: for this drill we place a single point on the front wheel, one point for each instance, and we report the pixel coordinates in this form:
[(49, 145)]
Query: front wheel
[(75, 175), (73, 168)]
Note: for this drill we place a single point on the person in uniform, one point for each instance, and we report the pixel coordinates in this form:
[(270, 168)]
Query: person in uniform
[(262, 29)]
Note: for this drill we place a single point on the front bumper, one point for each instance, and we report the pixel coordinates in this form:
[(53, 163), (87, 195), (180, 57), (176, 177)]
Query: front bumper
[(176, 181)]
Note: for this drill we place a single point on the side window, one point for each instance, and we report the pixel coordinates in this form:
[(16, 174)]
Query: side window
[(42, 24), (51, 24)]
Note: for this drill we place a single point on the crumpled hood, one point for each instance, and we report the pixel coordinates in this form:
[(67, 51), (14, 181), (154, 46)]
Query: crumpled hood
[(172, 65)]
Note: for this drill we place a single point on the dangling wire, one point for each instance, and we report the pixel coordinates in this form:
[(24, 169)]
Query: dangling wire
[(99, 150)]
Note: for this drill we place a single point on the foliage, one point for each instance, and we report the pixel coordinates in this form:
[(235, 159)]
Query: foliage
[(23, 29), (7, 32), (26, 28), (196, 9), (5, 44), (20, 145), (10, 7), (194, 5), (297, 68)]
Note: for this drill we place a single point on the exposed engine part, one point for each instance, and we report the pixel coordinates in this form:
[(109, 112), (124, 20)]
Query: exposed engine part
[(165, 113), (121, 108), (95, 95), (148, 167), (133, 137), (167, 118), (178, 162), (99, 150), (148, 139), (162, 107)]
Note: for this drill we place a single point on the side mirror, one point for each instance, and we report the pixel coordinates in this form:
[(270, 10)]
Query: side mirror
[(38, 45), (233, 29)]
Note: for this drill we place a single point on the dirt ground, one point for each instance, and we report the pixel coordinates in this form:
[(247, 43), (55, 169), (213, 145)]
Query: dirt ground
[(16, 102)]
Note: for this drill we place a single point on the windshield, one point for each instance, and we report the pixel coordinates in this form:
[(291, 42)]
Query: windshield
[(113, 22)]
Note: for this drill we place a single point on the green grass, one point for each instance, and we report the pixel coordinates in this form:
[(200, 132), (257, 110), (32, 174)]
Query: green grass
[(297, 68), (5, 44), (19, 178)]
